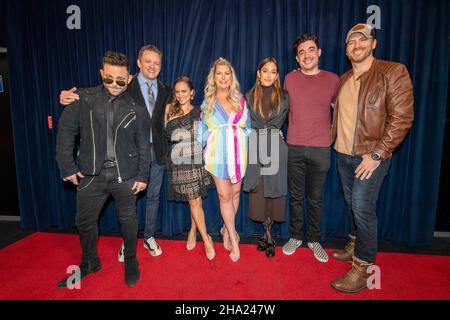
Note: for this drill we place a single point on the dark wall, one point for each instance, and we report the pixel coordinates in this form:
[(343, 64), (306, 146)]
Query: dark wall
[(3, 24), (443, 211), (9, 203)]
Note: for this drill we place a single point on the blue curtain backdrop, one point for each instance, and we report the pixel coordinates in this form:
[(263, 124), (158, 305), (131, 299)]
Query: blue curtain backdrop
[(46, 57)]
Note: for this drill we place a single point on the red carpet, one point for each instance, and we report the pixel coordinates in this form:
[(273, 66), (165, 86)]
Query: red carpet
[(30, 269)]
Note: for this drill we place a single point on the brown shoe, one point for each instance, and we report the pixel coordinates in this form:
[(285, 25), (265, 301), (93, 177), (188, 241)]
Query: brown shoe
[(355, 280), (347, 253)]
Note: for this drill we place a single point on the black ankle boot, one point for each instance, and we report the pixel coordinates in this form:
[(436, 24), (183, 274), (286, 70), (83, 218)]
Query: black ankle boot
[(270, 243), (270, 251), (132, 273), (262, 244)]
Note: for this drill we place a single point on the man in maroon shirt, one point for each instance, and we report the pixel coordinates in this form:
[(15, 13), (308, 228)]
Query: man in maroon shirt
[(311, 93)]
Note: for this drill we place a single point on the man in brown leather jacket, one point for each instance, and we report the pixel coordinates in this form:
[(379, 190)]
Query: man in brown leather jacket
[(372, 116)]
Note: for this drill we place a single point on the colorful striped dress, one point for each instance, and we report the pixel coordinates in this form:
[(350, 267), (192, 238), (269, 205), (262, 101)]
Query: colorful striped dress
[(225, 139)]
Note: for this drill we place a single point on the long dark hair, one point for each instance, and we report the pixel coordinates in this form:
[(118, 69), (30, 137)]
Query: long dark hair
[(277, 94), (175, 107)]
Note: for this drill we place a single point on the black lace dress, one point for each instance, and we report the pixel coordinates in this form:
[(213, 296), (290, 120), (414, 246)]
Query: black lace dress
[(186, 174)]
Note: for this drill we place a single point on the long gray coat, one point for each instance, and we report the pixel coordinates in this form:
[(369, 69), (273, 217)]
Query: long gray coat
[(275, 182)]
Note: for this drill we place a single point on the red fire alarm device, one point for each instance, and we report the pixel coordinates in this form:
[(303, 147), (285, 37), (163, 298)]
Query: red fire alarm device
[(50, 122)]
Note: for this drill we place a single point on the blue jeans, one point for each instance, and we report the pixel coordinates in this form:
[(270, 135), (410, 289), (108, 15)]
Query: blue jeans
[(361, 199), (153, 193)]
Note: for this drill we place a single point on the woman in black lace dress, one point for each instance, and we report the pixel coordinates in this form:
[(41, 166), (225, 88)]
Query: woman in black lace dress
[(188, 179)]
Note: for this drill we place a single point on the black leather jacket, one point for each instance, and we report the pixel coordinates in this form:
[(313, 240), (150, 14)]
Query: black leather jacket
[(86, 118)]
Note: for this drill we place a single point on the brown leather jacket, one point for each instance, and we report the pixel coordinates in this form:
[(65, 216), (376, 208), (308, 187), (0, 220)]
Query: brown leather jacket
[(385, 108)]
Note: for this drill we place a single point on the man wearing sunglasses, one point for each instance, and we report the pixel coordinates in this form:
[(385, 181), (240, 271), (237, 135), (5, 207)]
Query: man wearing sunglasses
[(153, 95), (113, 160)]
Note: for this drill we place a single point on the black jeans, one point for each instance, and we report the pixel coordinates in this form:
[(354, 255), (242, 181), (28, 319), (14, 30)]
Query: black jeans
[(307, 173), (91, 196), (361, 199)]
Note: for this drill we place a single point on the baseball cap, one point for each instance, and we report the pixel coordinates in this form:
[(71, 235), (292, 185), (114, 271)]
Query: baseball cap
[(363, 28)]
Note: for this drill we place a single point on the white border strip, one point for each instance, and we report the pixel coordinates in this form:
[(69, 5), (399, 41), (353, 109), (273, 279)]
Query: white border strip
[(2, 50), (439, 234), (9, 218)]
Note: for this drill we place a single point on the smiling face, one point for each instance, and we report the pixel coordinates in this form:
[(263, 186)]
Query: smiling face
[(223, 77), (308, 56), (149, 65), (359, 48), (268, 74), (183, 93), (116, 74)]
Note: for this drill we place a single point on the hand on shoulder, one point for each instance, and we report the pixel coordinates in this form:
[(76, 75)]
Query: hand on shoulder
[(66, 97)]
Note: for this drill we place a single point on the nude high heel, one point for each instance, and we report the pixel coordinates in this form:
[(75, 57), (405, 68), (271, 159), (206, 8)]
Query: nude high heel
[(191, 246), (236, 257), (226, 239), (212, 254)]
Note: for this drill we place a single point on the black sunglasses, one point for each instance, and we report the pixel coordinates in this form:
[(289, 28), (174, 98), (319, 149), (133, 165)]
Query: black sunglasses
[(120, 83)]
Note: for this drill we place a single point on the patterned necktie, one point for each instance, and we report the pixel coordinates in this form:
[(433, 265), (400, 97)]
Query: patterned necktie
[(151, 98), (151, 104)]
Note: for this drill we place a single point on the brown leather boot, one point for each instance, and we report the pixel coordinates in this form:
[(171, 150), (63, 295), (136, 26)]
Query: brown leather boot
[(355, 280), (347, 253)]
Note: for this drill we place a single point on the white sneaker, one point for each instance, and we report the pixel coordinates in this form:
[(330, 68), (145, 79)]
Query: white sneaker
[(152, 246), (319, 253), (290, 246), (121, 255)]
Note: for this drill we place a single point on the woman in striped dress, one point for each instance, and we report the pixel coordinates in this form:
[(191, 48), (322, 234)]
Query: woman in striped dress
[(224, 134)]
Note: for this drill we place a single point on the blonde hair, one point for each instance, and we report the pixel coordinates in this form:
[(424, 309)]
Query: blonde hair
[(234, 93), (276, 97)]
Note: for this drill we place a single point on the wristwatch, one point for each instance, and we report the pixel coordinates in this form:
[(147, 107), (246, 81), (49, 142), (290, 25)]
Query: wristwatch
[(376, 156)]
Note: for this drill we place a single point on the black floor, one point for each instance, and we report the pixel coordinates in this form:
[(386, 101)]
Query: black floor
[(11, 232)]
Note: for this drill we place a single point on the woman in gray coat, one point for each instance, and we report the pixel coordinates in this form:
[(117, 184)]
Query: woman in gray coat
[(266, 176)]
